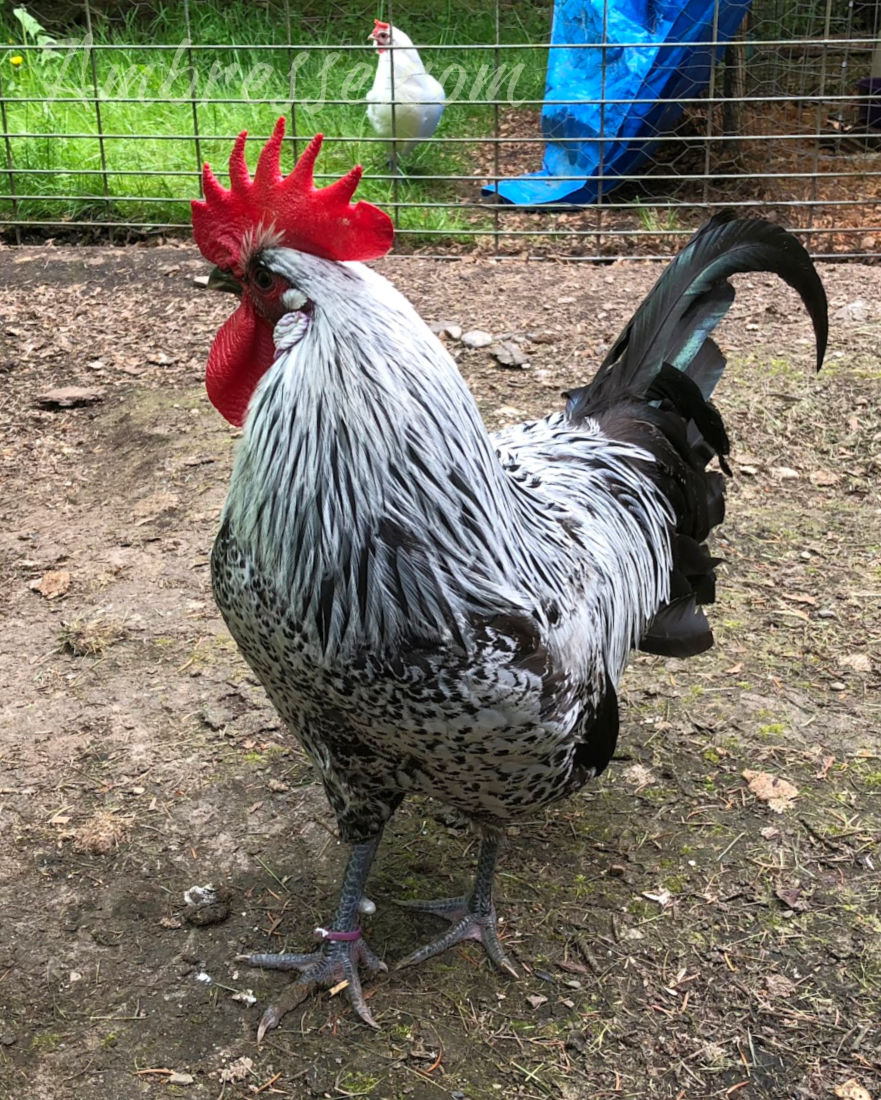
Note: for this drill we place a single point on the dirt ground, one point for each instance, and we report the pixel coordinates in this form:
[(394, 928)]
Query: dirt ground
[(684, 929)]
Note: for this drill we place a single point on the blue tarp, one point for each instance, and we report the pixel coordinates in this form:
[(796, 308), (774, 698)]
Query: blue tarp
[(634, 64)]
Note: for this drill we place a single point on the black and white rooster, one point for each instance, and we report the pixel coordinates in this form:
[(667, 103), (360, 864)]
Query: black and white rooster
[(432, 608)]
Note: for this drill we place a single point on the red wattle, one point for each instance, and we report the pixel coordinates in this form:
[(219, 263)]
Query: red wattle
[(241, 354)]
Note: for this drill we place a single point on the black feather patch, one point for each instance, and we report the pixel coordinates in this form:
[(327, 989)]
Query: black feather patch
[(679, 629), (601, 736)]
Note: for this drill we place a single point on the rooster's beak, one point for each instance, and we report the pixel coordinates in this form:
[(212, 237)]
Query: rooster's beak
[(220, 279)]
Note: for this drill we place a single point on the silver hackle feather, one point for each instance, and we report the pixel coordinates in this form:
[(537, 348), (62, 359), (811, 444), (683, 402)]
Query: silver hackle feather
[(429, 606)]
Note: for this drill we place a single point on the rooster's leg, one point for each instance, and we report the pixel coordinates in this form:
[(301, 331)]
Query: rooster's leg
[(473, 916), (340, 956)]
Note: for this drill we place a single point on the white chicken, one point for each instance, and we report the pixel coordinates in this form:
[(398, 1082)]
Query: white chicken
[(418, 98)]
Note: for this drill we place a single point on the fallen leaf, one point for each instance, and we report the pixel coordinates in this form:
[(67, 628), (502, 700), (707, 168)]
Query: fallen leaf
[(859, 662), (792, 898), (536, 1000), (662, 897), (824, 477), (852, 1090), (778, 985), (53, 584), (237, 1070), (68, 397), (154, 505), (800, 597), (639, 775), (777, 792), (769, 832), (825, 764)]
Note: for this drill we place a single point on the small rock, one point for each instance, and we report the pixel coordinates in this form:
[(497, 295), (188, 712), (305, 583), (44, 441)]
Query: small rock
[(508, 354), (824, 477), (68, 397), (7, 1039), (453, 331), (476, 338), (575, 1041), (857, 310), (784, 473), (180, 1079), (53, 584), (207, 905), (213, 719)]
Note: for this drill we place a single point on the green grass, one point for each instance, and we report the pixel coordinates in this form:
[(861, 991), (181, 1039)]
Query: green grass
[(145, 169)]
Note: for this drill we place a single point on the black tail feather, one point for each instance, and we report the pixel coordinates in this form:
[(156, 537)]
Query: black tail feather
[(653, 389)]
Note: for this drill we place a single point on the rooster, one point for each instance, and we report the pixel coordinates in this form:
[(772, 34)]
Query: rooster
[(431, 608), (401, 79)]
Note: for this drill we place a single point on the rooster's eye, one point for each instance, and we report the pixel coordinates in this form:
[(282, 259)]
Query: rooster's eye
[(263, 279)]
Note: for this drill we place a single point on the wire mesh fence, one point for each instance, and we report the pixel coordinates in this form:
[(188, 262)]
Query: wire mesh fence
[(105, 128)]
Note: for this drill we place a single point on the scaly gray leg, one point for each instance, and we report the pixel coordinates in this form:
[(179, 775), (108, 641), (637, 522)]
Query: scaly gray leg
[(473, 916), (343, 950)]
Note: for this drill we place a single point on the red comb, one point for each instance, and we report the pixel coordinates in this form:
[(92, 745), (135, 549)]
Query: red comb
[(378, 23), (317, 220)]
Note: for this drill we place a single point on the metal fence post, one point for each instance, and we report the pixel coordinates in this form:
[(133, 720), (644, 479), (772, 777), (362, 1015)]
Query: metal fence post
[(93, 68), (191, 68)]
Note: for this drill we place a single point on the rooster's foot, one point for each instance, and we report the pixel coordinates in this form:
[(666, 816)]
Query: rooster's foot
[(337, 962), (468, 924)]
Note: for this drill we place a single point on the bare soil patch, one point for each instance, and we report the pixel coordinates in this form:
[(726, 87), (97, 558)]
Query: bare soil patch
[(680, 934)]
